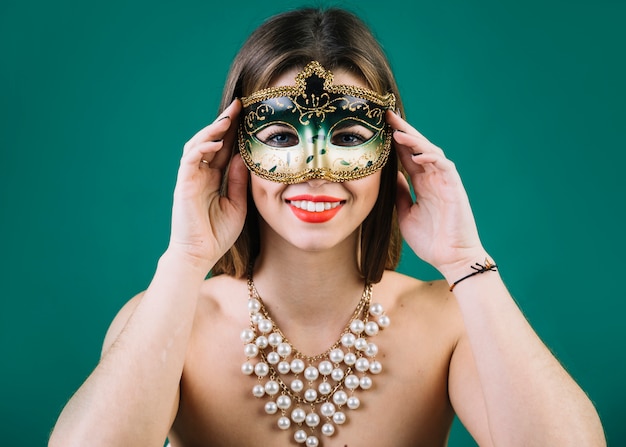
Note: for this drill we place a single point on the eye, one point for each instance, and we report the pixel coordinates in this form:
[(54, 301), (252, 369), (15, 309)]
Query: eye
[(278, 135), (351, 135)]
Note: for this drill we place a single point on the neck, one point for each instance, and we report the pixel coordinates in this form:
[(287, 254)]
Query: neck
[(309, 292)]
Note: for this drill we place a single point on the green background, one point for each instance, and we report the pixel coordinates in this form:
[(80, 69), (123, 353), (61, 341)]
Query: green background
[(98, 98)]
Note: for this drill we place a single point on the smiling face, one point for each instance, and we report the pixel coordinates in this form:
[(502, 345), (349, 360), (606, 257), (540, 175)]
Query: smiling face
[(317, 213), (315, 129)]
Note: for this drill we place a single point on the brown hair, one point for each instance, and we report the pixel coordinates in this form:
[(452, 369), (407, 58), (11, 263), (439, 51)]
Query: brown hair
[(336, 38)]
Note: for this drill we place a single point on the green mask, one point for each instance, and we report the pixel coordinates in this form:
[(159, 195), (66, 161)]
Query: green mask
[(315, 130)]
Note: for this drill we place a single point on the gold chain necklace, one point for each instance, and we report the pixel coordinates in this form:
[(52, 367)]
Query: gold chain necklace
[(330, 378)]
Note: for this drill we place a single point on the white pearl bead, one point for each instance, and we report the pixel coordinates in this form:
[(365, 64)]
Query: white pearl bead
[(327, 409), (310, 395), (357, 326), (251, 350), (352, 382), (283, 402), (272, 387), (283, 349), (376, 367), (258, 391), (348, 340), (254, 305), (261, 369), (336, 355), (300, 436), (273, 358), (312, 419), (324, 388), (339, 418), (247, 368), (296, 385), (376, 309), (312, 441), (371, 350), (284, 423), (247, 335), (271, 408), (353, 402), (360, 344), (366, 383), (261, 341), (274, 339), (340, 398), (311, 373), (255, 318), (384, 321), (284, 367), (325, 368), (337, 374), (371, 328), (297, 366), (328, 429), (298, 415), (265, 325), (349, 359), (362, 364)]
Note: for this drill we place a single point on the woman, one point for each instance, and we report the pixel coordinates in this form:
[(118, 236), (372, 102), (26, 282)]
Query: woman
[(304, 333)]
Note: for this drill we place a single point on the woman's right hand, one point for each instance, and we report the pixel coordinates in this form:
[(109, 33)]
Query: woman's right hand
[(206, 224)]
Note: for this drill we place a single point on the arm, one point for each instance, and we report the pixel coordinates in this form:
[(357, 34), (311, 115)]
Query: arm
[(131, 397), (504, 383)]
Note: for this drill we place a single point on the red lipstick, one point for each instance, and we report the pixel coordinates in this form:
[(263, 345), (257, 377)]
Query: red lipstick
[(314, 209)]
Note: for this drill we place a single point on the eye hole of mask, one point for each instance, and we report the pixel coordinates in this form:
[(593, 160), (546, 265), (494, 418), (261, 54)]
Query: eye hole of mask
[(278, 135), (349, 133), (345, 134)]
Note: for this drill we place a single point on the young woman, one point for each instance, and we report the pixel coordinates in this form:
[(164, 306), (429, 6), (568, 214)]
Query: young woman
[(294, 199)]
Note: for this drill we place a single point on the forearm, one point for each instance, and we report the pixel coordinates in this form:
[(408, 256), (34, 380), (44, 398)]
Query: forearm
[(530, 398), (130, 396)]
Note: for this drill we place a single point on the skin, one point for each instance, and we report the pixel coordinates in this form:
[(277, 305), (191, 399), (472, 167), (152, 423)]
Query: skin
[(171, 358)]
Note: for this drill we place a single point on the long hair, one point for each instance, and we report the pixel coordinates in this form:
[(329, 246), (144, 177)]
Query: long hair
[(337, 39)]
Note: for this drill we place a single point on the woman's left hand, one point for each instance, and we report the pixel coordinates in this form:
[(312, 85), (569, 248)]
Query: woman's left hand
[(439, 225)]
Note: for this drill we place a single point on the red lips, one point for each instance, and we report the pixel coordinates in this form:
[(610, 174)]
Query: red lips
[(304, 206)]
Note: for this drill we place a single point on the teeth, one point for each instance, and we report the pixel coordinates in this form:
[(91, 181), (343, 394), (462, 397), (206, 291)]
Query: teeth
[(314, 207)]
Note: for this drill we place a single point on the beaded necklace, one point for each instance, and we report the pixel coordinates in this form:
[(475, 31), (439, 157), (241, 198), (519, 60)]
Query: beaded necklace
[(324, 384)]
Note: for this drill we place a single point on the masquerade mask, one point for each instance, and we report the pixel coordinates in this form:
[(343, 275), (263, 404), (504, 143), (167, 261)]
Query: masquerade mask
[(315, 129)]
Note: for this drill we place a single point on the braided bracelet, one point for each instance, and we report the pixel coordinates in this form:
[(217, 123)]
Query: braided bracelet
[(479, 268)]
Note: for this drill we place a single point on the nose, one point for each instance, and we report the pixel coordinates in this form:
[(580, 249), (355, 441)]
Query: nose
[(316, 182)]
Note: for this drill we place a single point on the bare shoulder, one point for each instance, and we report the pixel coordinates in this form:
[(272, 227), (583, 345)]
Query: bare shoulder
[(410, 290), (429, 303), (223, 295)]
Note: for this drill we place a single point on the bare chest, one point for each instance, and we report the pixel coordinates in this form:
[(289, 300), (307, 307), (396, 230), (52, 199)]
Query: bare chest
[(404, 404)]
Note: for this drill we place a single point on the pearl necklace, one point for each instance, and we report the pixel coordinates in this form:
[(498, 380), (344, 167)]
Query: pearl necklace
[(330, 378)]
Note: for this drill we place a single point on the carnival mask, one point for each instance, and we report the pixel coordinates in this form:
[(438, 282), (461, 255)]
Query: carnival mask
[(315, 130)]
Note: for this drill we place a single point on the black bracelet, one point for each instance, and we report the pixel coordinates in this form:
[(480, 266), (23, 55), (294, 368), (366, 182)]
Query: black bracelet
[(479, 268)]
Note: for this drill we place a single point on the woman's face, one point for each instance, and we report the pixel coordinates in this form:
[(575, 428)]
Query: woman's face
[(316, 214)]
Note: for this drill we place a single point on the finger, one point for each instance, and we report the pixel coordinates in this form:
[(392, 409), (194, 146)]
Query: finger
[(203, 153), (217, 129), (398, 123), (223, 157), (404, 199), (238, 182), (433, 161)]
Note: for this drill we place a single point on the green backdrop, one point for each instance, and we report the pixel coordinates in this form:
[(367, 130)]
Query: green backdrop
[(98, 98)]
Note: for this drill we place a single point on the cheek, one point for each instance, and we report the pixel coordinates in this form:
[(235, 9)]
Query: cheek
[(367, 188), (264, 190)]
